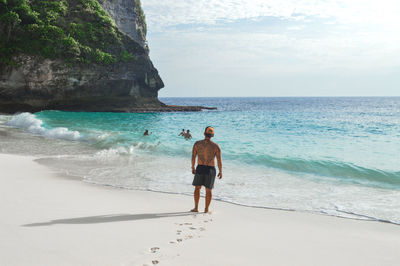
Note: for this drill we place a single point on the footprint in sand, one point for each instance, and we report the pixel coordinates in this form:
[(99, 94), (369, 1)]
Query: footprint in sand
[(202, 229), (155, 262), (187, 223), (192, 228), (154, 250), (179, 240)]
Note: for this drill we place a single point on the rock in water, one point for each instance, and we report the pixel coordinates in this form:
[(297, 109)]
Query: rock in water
[(76, 55)]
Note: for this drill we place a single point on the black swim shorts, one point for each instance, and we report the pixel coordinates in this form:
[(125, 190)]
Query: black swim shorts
[(205, 176)]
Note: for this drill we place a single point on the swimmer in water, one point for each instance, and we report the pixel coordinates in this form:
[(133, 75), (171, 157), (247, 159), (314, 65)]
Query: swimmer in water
[(188, 135)]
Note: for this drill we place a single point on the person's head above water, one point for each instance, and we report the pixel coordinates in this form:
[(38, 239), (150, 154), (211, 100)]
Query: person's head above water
[(209, 132), (188, 131)]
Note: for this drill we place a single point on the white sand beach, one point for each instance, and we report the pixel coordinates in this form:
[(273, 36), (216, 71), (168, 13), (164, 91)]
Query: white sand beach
[(48, 219)]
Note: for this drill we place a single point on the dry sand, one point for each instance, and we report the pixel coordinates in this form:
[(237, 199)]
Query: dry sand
[(49, 220)]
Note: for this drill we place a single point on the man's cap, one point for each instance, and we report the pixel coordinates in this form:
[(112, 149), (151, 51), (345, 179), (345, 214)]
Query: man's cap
[(209, 130)]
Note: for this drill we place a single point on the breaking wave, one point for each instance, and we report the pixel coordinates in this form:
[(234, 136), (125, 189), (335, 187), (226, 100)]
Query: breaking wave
[(32, 124), (344, 170)]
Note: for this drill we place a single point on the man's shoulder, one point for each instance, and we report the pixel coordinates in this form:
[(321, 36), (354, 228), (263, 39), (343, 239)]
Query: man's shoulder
[(203, 141), (215, 144)]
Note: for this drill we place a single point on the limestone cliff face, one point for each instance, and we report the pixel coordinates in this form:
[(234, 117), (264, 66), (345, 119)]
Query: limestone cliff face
[(36, 83), (42, 84), (128, 16)]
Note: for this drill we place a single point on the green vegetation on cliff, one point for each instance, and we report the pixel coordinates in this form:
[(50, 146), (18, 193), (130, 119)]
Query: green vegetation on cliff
[(141, 16), (76, 31)]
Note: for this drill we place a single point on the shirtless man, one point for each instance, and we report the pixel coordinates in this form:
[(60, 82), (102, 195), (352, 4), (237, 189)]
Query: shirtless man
[(188, 135), (204, 174)]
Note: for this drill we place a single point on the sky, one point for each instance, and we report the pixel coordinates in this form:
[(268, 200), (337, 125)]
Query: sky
[(244, 48)]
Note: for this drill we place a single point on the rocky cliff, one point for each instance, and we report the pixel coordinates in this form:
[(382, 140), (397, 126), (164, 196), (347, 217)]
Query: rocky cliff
[(80, 55), (129, 17)]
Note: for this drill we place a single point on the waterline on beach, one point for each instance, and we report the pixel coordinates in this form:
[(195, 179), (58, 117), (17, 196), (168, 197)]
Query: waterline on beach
[(332, 156)]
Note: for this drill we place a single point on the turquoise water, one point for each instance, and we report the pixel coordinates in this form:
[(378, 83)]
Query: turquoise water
[(339, 156)]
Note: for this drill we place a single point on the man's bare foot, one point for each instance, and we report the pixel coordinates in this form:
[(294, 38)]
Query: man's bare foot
[(194, 210), (206, 210)]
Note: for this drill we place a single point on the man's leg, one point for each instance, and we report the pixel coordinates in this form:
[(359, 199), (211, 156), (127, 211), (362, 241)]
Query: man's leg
[(196, 196), (208, 199)]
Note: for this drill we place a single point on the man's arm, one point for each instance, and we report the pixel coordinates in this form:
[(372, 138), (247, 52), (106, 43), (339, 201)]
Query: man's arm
[(194, 154), (219, 161)]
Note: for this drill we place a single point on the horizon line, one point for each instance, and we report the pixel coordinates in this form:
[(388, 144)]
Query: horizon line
[(352, 96)]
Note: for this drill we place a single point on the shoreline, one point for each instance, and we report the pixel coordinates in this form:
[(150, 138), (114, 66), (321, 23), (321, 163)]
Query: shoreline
[(354, 216), (358, 215), (62, 174), (363, 218), (48, 220)]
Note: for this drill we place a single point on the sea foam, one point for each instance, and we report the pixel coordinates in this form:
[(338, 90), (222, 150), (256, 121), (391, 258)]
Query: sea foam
[(30, 123)]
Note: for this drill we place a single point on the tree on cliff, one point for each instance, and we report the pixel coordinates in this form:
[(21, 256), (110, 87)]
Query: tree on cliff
[(76, 31), (8, 22)]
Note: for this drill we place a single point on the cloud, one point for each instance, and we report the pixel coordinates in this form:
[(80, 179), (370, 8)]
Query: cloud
[(278, 53), (299, 27), (166, 13), (226, 45)]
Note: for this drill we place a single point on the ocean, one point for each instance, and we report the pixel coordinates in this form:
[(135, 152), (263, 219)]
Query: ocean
[(337, 156)]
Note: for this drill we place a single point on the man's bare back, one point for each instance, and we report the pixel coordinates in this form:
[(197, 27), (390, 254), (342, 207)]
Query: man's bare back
[(206, 150)]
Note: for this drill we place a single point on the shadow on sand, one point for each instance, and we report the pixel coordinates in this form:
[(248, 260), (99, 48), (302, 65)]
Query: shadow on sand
[(111, 218)]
